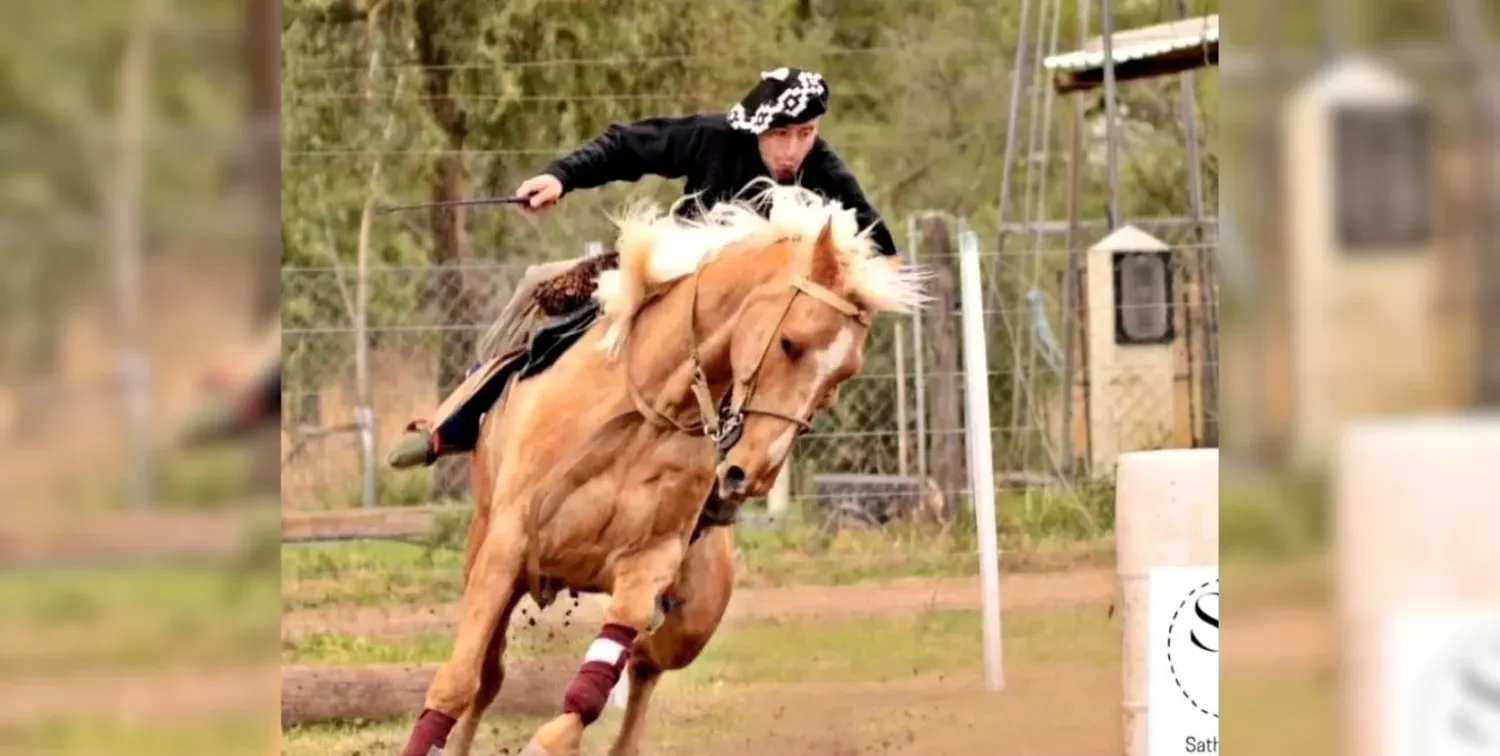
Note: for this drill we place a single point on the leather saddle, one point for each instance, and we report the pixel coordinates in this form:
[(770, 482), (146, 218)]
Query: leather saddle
[(549, 340), (553, 337)]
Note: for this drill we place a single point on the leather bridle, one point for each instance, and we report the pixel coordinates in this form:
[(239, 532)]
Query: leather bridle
[(725, 422)]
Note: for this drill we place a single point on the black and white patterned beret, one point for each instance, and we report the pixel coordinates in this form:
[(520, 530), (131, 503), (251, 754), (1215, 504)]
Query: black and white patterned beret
[(783, 97)]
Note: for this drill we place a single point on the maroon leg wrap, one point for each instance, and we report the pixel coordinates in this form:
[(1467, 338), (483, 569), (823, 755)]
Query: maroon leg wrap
[(431, 729), (600, 671)]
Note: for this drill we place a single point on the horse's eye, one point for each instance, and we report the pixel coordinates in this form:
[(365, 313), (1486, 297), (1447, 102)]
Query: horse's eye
[(789, 349)]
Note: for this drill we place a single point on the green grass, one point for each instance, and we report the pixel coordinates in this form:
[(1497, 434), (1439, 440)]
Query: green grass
[(342, 649), (146, 622), (394, 574), (799, 555), (224, 736), (133, 619), (1038, 531), (204, 479), (874, 650), (927, 643), (371, 573)]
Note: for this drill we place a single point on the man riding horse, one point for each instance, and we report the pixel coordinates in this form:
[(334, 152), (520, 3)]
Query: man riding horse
[(772, 133)]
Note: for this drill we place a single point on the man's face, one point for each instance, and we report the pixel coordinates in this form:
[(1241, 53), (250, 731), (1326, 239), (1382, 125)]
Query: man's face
[(783, 149)]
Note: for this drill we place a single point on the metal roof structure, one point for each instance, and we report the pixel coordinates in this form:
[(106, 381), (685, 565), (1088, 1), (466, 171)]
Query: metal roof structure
[(1147, 52)]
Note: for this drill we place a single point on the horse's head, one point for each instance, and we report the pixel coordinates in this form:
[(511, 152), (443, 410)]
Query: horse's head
[(795, 342), (782, 302)]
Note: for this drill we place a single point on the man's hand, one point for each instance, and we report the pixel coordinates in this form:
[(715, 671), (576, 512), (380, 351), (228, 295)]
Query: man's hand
[(542, 192)]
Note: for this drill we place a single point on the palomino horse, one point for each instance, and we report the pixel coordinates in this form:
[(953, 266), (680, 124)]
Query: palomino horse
[(742, 328)]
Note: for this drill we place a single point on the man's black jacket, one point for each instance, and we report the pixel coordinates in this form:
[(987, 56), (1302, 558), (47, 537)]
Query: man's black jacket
[(716, 160)]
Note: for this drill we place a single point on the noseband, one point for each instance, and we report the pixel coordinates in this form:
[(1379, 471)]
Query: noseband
[(732, 411)]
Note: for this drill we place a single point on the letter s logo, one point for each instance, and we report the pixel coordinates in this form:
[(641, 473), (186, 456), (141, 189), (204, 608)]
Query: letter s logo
[(1205, 626), (1192, 646)]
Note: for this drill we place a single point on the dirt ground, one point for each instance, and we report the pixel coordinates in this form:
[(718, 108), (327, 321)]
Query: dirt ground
[(1059, 708), (1068, 712), (1063, 711)]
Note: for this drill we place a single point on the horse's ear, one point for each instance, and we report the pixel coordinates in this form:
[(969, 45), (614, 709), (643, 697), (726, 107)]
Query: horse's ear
[(825, 262)]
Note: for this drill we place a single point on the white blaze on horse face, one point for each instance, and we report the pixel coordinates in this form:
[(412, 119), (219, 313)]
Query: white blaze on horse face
[(776, 454), (827, 361)]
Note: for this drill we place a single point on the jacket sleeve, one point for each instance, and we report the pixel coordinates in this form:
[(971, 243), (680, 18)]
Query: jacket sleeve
[(836, 182), (667, 147)]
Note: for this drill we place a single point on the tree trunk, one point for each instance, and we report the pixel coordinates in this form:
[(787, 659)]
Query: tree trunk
[(325, 694), (451, 252), (262, 50), (945, 391), (451, 248)]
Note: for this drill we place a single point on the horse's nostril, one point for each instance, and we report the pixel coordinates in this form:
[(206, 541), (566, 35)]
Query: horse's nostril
[(733, 477)]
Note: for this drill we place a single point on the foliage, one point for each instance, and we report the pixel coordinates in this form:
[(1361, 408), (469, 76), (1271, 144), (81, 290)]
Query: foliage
[(59, 82), (919, 92), (921, 101)]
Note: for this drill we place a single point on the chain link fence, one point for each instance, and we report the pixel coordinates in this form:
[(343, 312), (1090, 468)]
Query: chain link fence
[(1057, 418), (134, 259)]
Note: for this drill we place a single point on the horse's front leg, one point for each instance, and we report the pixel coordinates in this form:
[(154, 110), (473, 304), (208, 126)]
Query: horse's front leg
[(489, 595), (639, 579)]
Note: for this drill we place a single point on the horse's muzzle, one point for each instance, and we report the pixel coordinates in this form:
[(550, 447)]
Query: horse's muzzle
[(733, 482)]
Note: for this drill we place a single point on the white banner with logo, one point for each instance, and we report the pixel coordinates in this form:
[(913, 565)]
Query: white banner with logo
[(1184, 660), (1442, 671)]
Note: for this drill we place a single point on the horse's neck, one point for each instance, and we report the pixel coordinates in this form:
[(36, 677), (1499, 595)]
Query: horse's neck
[(723, 287)]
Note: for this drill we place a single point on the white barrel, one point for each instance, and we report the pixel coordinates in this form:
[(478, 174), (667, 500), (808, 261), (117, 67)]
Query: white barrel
[(1416, 536), (1166, 515)]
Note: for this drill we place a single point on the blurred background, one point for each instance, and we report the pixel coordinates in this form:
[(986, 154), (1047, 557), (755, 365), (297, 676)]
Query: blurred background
[(1360, 289), (138, 207)]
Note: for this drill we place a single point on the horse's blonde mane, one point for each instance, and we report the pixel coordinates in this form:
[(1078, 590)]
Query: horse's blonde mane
[(657, 248)]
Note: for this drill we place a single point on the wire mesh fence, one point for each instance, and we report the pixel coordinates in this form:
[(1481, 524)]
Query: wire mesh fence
[(134, 257), (434, 284), (1064, 398)]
